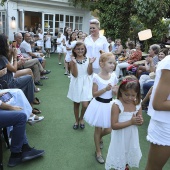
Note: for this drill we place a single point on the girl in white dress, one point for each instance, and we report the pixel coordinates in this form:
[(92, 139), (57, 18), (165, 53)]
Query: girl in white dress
[(98, 112), (80, 89), (60, 48), (40, 41), (66, 35), (126, 115), (70, 44), (48, 43)]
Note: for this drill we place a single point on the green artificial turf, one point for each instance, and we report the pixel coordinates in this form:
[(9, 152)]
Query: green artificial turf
[(65, 148)]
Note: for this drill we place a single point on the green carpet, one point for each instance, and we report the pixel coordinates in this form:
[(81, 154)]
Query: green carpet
[(66, 149)]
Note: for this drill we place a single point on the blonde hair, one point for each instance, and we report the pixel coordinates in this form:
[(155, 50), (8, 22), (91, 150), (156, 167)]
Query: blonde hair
[(96, 22), (105, 56)]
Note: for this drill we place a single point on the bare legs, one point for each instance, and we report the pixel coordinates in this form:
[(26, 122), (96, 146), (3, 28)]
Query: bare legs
[(66, 68), (59, 58), (76, 112), (98, 134), (158, 156), (48, 52)]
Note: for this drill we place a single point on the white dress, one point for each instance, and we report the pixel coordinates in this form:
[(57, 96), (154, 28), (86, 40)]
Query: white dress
[(80, 88), (98, 114), (124, 146), (48, 42), (69, 52), (60, 48), (40, 42), (19, 99)]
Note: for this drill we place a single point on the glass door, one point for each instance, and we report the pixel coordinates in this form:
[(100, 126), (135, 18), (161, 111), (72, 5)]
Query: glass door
[(48, 23)]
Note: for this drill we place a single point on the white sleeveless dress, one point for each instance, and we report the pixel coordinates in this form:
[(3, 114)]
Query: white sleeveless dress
[(48, 42), (98, 114), (80, 88), (124, 146), (69, 52)]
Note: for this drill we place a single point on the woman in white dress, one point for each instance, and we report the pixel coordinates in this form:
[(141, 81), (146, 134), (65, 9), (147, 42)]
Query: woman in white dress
[(48, 43)]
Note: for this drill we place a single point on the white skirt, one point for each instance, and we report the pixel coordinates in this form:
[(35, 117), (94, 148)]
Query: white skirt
[(98, 114), (159, 133)]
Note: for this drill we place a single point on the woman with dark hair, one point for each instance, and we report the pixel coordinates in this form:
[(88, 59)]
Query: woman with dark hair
[(69, 46), (80, 36), (25, 83), (66, 37)]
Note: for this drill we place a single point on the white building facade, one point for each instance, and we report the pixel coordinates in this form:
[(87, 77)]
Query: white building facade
[(15, 15)]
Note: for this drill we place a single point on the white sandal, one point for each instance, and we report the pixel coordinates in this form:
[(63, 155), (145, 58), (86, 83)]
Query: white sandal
[(32, 119)]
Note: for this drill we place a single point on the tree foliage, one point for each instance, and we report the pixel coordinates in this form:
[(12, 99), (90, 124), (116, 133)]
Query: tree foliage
[(2, 2), (125, 18)]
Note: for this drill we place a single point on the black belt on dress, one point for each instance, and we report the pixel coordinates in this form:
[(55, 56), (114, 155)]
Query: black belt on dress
[(103, 100)]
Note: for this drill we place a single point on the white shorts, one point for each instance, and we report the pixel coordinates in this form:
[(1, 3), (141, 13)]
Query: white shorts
[(159, 133)]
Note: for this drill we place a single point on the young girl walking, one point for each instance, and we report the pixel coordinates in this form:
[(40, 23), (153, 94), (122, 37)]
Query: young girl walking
[(60, 50), (126, 115), (81, 82), (99, 109), (70, 44)]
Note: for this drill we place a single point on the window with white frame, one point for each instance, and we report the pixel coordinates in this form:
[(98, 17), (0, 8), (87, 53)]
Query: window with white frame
[(69, 20), (48, 22), (78, 22), (59, 22), (3, 22)]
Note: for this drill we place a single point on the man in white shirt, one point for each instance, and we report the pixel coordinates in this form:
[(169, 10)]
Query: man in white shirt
[(26, 61)]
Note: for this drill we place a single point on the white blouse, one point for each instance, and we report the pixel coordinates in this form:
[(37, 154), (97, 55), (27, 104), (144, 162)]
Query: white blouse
[(162, 116), (93, 48)]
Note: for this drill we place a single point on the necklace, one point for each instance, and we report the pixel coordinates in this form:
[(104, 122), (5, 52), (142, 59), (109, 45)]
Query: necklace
[(82, 61)]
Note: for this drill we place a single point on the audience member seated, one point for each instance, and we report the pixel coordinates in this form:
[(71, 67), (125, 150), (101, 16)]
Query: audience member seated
[(130, 47), (150, 61), (26, 50), (24, 83), (28, 62), (115, 46), (109, 40), (15, 97), (119, 49), (133, 56), (20, 149)]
